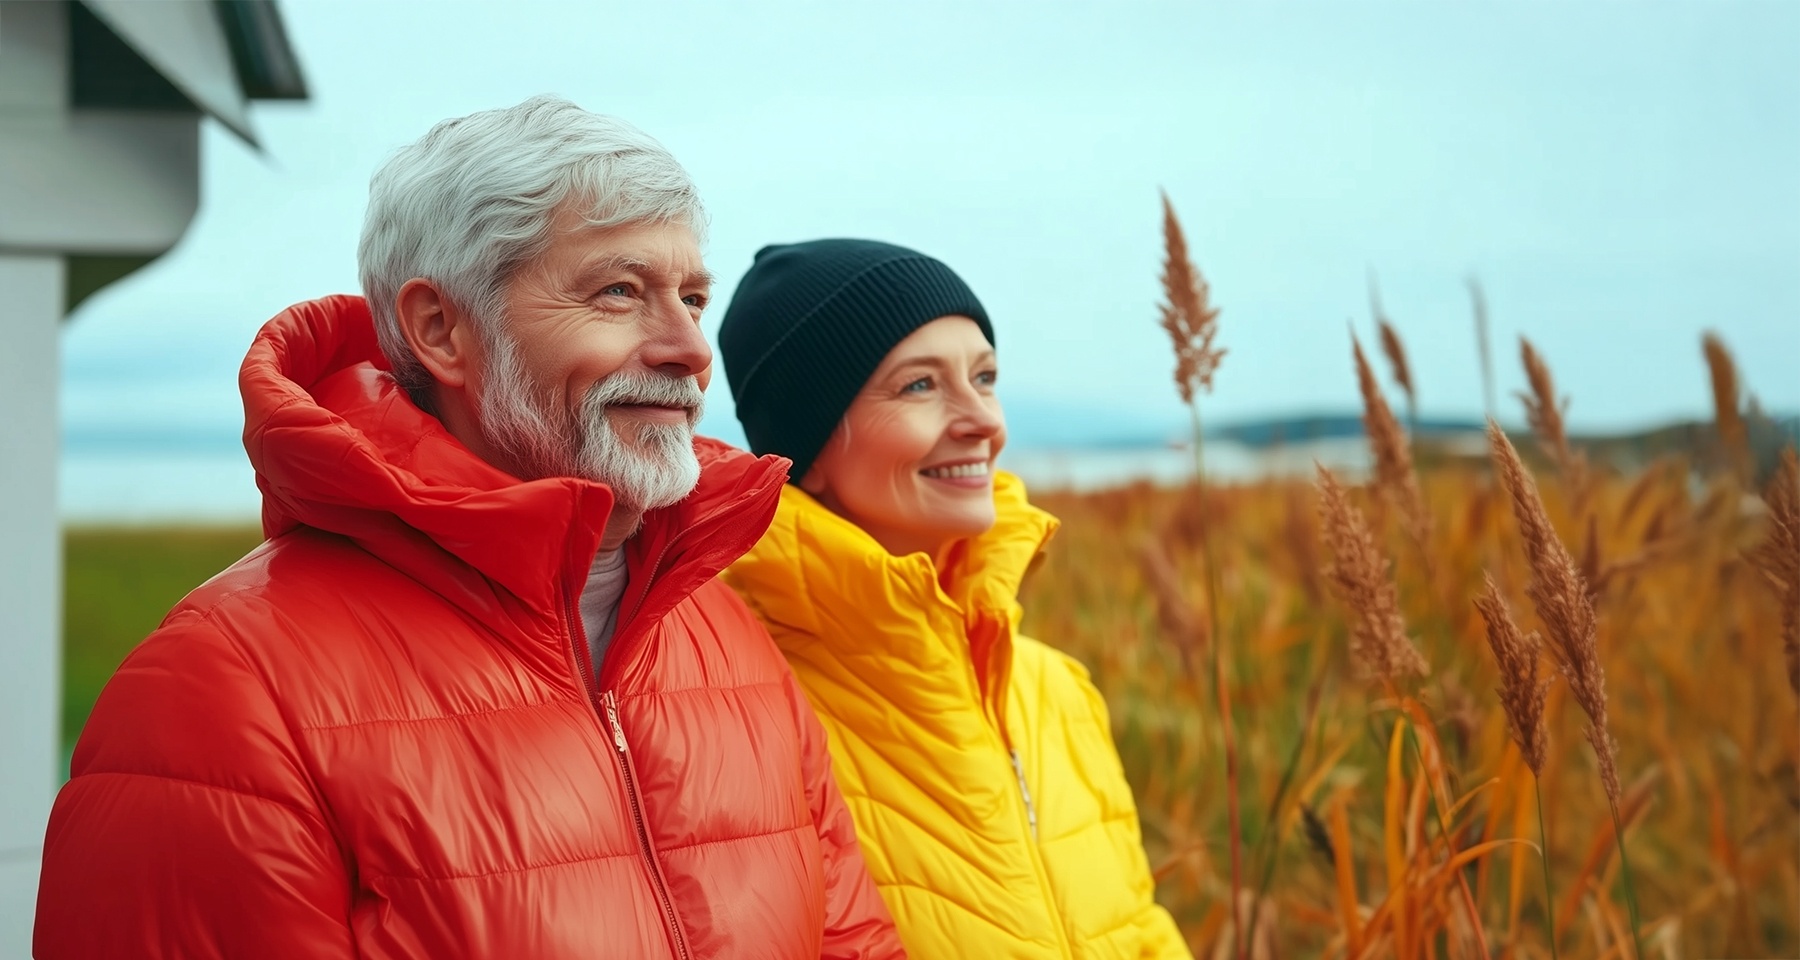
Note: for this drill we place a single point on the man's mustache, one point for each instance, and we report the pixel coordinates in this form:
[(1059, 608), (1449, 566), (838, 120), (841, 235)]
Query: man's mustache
[(648, 390)]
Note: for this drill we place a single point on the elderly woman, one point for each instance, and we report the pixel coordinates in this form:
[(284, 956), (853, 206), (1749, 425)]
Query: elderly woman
[(977, 762)]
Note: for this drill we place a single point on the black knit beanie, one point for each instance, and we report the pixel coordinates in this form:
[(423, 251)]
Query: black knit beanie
[(809, 324)]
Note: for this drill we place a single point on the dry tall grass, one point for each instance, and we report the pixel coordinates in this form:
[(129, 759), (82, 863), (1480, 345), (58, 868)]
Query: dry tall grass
[(1778, 557), (1395, 818), (1522, 692), (1358, 573), (1191, 320), (1700, 709), (1395, 350), (1734, 437), (1544, 412), (1394, 472)]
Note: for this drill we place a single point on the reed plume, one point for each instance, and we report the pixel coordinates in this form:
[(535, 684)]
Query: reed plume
[(1394, 472), (1544, 411), (1359, 576), (1187, 312), (1778, 556), (1522, 697), (1396, 355), (1566, 606), (1478, 300), (1562, 601), (1522, 691), (1734, 437)]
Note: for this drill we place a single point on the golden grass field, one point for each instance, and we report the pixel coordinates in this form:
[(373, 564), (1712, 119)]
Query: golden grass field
[(1689, 636)]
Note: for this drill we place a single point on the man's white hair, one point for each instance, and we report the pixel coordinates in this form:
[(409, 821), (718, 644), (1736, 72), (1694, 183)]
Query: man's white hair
[(472, 201)]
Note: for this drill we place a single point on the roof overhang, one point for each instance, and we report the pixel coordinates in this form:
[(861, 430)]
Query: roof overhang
[(218, 54)]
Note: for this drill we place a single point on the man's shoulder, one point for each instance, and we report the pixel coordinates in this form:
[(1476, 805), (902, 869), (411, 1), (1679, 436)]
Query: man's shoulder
[(297, 593), (314, 625), (288, 575)]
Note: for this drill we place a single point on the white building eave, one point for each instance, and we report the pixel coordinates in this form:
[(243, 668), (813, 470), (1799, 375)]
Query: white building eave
[(187, 45)]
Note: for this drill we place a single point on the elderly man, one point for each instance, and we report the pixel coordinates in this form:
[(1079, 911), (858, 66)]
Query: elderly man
[(479, 694)]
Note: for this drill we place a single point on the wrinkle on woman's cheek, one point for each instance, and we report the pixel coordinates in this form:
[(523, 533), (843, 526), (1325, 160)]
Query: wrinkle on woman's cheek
[(872, 448), (866, 434)]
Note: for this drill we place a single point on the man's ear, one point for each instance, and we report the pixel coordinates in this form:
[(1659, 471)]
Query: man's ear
[(441, 335), (815, 481)]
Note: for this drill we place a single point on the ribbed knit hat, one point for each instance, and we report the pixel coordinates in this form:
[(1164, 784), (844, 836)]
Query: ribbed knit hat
[(809, 324)]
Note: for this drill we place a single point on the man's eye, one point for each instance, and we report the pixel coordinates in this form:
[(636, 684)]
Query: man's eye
[(616, 290), (987, 378), (695, 300), (917, 386)]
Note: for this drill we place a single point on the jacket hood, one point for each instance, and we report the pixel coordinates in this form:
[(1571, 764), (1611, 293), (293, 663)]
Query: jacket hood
[(337, 445)]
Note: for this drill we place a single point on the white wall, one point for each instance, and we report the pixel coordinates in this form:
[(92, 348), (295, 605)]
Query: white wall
[(31, 309), (33, 94), (103, 182)]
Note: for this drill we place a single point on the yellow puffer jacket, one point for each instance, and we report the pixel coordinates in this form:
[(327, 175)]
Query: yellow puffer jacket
[(977, 763)]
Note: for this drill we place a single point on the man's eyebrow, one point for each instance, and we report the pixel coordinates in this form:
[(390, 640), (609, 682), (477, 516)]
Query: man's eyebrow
[(616, 263), (621, 263)]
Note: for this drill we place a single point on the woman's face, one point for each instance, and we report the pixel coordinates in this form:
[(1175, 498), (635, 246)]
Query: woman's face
[(912, 462)]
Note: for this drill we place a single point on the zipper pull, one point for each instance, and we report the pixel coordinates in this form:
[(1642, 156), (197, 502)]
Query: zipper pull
[(612, 717), (1025, 791)]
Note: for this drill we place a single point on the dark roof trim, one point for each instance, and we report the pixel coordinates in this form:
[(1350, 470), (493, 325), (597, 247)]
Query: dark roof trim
[(267, 68)]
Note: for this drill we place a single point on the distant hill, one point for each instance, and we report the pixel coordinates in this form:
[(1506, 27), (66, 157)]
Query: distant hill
[(1039, 425), (1032, 423), (1279, 430)]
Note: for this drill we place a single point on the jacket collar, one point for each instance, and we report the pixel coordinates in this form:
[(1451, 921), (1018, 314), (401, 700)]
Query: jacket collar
[(338, 446), (822, 575)]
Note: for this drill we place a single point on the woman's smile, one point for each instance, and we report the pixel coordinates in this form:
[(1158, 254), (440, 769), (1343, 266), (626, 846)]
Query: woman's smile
[(972, 474)]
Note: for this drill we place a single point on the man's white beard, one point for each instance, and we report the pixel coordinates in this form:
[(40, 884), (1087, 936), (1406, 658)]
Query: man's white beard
[(543, 440)]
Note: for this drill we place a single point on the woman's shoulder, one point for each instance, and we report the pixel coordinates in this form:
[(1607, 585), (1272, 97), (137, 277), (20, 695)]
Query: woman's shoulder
[(1048, 680)]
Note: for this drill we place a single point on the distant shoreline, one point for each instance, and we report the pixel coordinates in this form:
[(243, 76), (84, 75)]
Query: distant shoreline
[(156, 478)]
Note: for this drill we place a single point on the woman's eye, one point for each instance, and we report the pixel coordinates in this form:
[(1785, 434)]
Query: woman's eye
[(987, 378), (917, 386)]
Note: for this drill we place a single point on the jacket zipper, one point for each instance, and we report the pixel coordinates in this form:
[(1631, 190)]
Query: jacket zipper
[(643, 831), (607, 706), (1037, 855), (1025, 791)]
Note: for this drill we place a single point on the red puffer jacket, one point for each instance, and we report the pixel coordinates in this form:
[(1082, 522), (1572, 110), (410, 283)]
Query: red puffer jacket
[(378, 735)]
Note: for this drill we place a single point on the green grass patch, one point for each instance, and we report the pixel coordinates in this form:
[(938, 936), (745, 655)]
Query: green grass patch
[(118, 584)]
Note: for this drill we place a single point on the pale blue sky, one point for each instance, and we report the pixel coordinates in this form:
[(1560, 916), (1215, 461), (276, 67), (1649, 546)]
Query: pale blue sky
[(1621, 176)]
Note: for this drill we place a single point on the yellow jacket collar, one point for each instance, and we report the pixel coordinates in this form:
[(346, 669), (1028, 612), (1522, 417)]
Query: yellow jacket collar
[(815, 569)]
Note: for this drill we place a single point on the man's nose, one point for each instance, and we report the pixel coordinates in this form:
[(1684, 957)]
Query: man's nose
[(676, 347)]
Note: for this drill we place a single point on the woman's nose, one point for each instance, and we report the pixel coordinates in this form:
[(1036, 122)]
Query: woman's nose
[(979, 416)]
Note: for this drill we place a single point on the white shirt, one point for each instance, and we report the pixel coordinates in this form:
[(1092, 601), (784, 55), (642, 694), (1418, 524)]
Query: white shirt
[(600, 598)]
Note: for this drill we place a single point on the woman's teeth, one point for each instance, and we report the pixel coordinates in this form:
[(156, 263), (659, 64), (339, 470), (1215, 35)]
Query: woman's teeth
[(965, 470)]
